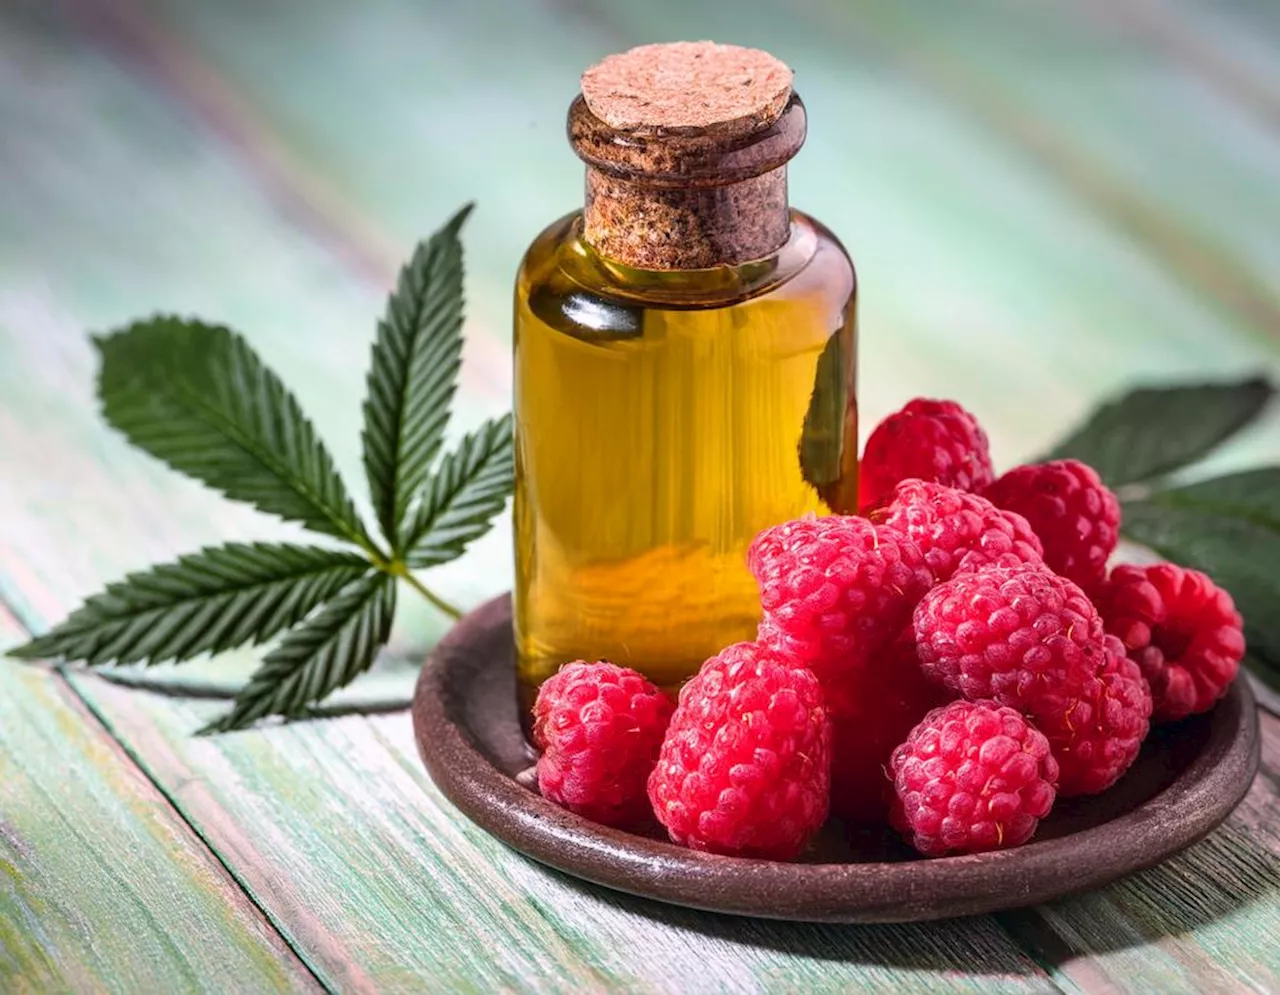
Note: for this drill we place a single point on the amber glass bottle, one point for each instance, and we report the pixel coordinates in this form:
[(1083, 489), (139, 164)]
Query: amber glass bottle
[(684, 367)]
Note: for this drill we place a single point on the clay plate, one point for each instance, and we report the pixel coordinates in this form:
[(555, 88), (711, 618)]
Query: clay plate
[(1187, 780)]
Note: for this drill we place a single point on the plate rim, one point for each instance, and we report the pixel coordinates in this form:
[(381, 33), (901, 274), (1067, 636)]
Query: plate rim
[(1186, 810)]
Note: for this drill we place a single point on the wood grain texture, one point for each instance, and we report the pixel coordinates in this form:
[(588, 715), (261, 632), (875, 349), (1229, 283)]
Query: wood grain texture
[(336, 829), (1053, 185), (1203, 921), (103, 887)]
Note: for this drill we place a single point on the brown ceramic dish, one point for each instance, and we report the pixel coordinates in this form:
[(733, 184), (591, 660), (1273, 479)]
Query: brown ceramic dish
[(1187, 780)]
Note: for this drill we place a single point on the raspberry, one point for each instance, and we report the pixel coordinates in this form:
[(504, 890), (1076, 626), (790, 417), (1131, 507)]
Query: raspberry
[(959, 531), (972, 776), (835, 591), (1181, 629), (746, 764), (1096, 729), (1075, 515), (872, 717), (599, 727), (1033, 641), (1014, 634), (930, 440)]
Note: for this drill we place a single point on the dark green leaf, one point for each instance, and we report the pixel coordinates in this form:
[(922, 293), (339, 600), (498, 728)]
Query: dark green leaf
[(197, 397), (413, 375), (1153, 431), (323, 654), (214, 600), (461, 500), (1253, 495), (1266, 671), (1239, 555), (822, 440)]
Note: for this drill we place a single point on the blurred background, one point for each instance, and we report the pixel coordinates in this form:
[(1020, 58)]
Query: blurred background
[(1045, 202)]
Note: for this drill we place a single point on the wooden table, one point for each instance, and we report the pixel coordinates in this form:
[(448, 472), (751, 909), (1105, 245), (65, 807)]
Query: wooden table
[(1045, 201)]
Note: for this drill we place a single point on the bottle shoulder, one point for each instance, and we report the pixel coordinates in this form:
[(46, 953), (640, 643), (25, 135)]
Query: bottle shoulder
[(561, 269)]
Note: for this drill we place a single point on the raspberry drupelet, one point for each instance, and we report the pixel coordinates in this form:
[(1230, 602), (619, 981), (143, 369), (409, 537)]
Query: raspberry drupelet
[(1181, 629), (835, 591), (1072, 511), (599, 727), (957, 531), (972, 776), (929, 440), (1032, 640), (745, 768)]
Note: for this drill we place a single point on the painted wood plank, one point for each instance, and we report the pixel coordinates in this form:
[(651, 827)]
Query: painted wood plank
[(1203, 921), (103, 887), (335, 827), (925, 191)]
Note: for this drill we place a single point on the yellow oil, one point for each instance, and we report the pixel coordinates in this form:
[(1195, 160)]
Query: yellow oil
[(663, 419)]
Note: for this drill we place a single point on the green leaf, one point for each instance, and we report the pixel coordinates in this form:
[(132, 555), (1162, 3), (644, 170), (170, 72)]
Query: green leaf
[(1238, 554), (822, 440), (214, 600), (1253, 495), (323, 654), (1152, 431), (197, 397), (460, 502), (413, 375)]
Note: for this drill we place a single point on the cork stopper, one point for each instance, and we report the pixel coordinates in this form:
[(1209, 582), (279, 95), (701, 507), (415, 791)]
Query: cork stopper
[(688, 86), (686, 146)]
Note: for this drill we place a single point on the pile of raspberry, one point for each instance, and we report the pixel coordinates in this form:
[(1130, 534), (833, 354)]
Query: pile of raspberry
[(948, 661)]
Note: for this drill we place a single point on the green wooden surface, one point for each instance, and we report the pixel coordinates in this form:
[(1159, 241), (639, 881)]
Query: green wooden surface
[(103, 887), (1044, 200)]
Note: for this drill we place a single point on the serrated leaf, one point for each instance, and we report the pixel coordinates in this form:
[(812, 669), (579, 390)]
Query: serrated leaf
[(461, 500), (1239, 555), (206, 602), (1152, 431), (413, 375), (323, 654), (1253, 495), (199, 398), (1265, 671)]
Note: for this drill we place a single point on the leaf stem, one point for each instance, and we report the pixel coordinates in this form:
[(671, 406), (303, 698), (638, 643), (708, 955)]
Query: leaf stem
[(398, 569)]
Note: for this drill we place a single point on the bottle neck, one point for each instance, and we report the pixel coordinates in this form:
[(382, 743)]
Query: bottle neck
[(673, 227)]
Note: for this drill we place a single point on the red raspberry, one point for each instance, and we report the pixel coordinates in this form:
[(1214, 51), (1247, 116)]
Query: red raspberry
[(972, 776), (930, 440), (1033, 641), (746, 765), (1182, 630), (1014, 634), (871, 717), (835, 591), (599, 727), (1096, 729), (959, 531), (1072, 511)]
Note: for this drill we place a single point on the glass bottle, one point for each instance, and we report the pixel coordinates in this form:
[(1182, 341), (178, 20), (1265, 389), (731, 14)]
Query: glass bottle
[(685, 359)]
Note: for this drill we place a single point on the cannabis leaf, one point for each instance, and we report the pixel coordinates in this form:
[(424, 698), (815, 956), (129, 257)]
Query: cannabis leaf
[(213, 600), (196, 395), (1228, 527), (1151, 431), (461, 500), (1253, 496), (320, 656), (413, 376), (826, 459), (1238, 554)]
